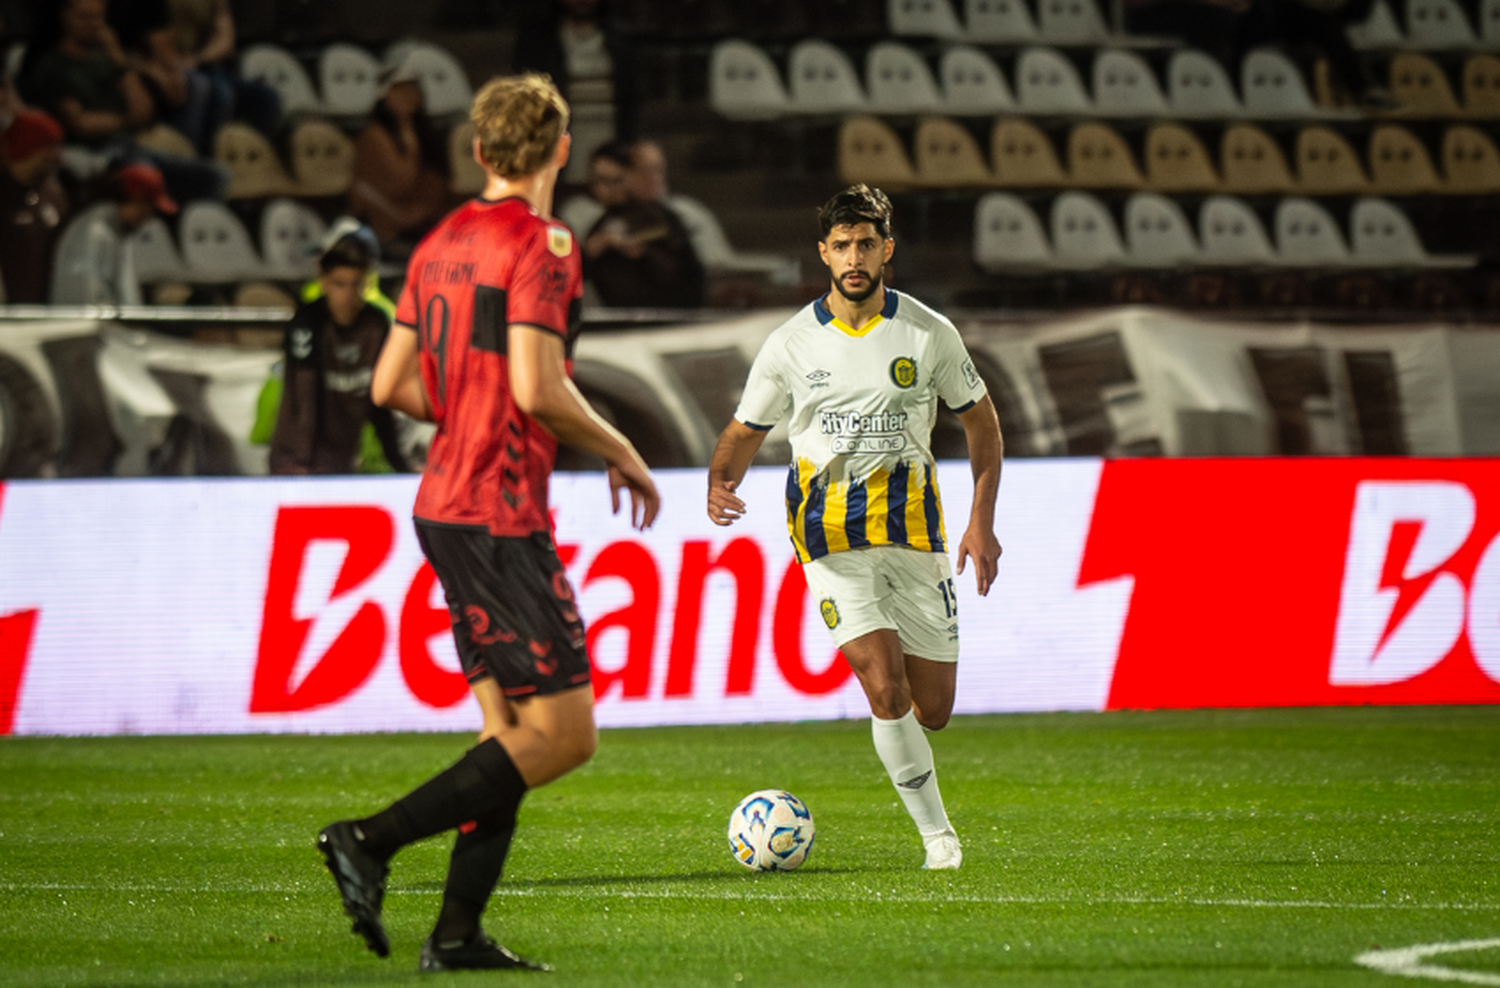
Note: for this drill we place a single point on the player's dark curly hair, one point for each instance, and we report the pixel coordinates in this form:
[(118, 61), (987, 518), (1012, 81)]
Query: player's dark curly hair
[(857, 204)]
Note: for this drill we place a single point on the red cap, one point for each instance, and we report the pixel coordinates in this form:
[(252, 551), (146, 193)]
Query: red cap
[(143, 183), (30, 132)]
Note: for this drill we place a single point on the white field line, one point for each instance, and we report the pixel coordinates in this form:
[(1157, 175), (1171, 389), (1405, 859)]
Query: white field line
[(1407, 962), (738, 893)]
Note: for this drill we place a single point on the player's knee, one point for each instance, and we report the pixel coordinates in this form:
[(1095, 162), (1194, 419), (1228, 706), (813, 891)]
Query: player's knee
[(580, 744), (934, 720)]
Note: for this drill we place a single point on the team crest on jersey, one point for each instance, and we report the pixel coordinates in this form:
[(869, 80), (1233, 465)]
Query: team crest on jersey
[(903, 372), (830, 612), (559, 240)]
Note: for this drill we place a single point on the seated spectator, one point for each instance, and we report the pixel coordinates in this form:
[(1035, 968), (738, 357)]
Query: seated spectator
[(95, 260), (85, 80), (606, 187), (647, 181), (639, 255), (182, 95), (331, 347), (33, 206), (400, 164), (206, 36)]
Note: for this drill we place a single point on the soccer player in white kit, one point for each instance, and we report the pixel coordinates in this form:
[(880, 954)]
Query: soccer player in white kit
[(859, 372)]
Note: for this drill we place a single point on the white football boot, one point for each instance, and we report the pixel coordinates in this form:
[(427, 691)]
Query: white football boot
[(943, 852)]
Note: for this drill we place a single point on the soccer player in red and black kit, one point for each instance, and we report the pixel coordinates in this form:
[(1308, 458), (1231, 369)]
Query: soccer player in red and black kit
[(483, 333)]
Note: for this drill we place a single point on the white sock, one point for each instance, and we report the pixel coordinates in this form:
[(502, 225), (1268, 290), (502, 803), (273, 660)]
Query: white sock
[(903, 749)]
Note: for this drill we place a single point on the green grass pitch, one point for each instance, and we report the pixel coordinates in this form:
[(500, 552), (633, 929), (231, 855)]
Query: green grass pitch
[(1205, 848)]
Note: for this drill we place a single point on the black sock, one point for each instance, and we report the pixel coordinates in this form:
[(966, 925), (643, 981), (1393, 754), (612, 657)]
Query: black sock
[(473, 869), (480, 784)]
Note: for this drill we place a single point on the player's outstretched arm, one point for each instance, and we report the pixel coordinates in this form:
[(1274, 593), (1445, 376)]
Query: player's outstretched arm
[(986, 449), (732, 455), (397, 382), (540, 384)]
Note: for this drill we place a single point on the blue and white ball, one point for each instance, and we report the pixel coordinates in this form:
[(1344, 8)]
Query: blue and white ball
[(771, 830)]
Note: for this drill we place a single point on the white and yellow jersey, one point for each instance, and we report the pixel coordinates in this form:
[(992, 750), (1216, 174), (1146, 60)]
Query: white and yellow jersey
[(862, 404)]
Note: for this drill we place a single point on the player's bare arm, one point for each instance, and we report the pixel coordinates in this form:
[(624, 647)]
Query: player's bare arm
[(986, 450), (542, 389), (397, 383), (733, 453)]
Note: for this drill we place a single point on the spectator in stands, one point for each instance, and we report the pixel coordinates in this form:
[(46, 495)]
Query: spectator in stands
[(33, 205), (95, 260), (84, 78), (639, 255), (608, 166), (577, 43), (647, 181), (331, 347), (182, 95), (205, 34), (400, 169)]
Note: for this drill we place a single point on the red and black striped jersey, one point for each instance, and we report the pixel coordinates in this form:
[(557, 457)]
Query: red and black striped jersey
[(487, 266)]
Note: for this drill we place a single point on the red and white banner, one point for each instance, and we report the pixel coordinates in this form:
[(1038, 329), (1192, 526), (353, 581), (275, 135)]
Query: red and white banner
[(193, 606)]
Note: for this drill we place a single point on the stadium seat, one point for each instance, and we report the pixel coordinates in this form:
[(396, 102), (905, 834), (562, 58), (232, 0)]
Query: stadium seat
[(973, 84), (255, 169), (165, 139), (1327, 163), (823, 79), (924, 19), (947, 156), (215, 245), (1008, 234), (1272, 86), (1251, 162), (1084, 235), (157, 258), (1420, 87), (1099, 158), (1022, 155), (870, 151), (348, 79), (1400, 164), (322, 159), (1177, 161), (1471, 163), (465, 177), (1126, 86), (1048, 83), (1308, 236), (1481, 87), (1199, 87), (1378, 32), (1381, 235), (279, 69), (445, 84), (898, 80), (1002, 21), (1231, 233), (290, 235), (744, 84), (1437, 24), (1070, 22), (1489, 23), (1157, 232)]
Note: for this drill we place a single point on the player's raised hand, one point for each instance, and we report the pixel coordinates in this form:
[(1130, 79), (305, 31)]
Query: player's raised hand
[(724, 505), (645, 502), (980, 543)]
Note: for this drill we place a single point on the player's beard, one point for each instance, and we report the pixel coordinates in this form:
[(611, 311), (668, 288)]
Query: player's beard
[(875, 283)]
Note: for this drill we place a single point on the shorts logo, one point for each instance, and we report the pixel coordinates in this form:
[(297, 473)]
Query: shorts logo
[(903, 372), (479, 627), (830, 612)]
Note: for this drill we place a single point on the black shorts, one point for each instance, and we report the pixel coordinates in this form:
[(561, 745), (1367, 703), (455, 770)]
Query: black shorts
[(513, 611)]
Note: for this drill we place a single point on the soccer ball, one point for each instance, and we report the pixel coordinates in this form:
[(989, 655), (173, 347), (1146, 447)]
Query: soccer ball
[(771, 830)]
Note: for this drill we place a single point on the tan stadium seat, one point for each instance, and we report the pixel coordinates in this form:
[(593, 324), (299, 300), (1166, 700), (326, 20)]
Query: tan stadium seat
[(1399, 163), (1177, 161), (1420, 87), (947, 156), (870, 151), (322, 159), (255, 169), (1481, 87), (1022, 155), (1327, 163), (1251, 162), (1471, 162), (1099, 158)]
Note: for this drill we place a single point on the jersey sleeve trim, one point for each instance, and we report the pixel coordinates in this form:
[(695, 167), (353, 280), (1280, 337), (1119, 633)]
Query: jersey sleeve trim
[(758, 427), (960, 409)]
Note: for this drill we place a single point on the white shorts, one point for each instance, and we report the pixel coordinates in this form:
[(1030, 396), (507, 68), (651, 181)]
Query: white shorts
[(906, 590)]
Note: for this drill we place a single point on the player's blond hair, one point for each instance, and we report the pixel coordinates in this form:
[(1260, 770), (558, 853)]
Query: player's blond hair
[(519, 120)]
